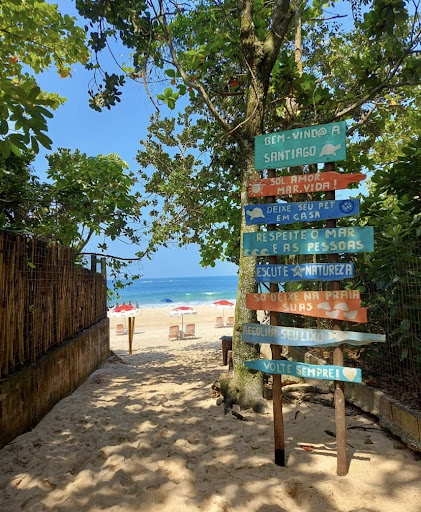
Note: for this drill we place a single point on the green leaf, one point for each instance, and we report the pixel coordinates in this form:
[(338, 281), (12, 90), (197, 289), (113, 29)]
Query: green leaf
[(170, 73), (44, 140)]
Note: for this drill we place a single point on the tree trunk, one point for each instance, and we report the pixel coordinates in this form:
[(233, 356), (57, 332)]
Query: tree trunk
[(246, 387)]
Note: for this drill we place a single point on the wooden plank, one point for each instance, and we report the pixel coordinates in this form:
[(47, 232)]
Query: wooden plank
[(304, 272), (302, 184), (277, 398), (338, 305), (309, 211), (307, 145), (309, 241), (304, 370), (299, 337)]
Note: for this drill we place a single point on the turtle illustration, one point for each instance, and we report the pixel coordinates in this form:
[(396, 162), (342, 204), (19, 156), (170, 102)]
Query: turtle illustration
[(329, 149)]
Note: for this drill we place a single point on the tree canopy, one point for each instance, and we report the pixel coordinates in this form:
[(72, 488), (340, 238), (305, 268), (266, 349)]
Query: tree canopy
[(246, 68), (33, 37)]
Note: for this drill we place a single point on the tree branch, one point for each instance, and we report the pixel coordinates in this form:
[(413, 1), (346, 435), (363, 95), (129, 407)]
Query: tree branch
[(194, 85), (282, 14), (382, 85)]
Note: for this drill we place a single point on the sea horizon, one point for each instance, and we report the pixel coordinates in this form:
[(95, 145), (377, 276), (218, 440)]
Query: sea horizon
[(155, 292)]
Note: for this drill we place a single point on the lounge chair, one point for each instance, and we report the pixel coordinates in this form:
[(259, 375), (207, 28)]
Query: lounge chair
[(219, 322), (230, 322), (119, 329), (189, 331), (174, 333)]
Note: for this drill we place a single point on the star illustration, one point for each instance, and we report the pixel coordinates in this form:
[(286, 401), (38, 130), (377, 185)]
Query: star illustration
[(297, 271)]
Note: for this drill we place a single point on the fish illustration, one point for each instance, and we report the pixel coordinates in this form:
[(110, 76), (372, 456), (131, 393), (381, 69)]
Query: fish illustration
[(350, 315), (324, 305), (342, 306), (333, 314)]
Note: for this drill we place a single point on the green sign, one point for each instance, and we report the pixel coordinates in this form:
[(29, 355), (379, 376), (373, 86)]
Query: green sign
[(304, 370), (308, 145), (309, 241)]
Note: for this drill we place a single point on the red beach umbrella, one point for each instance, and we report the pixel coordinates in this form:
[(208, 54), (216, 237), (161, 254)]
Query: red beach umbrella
[(181, 311), (223, 304), (124, 308)]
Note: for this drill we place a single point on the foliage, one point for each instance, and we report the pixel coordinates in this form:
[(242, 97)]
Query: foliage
[(193, 206), (392, 291), (33, 37), (86, 196)]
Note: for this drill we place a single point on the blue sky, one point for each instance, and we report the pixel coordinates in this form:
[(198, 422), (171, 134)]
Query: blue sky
[(76, 126)]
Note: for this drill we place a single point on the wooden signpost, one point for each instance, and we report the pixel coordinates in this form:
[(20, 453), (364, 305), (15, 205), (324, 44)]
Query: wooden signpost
[(304, 370), (308, 145), (299, 337), (309, 241), (288, 213), (301, 184), (337, 305), (304, 272)]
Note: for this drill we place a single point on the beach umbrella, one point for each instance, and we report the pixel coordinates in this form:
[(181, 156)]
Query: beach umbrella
[(124, 310), (181, 311), (166, 300), (223, 304)]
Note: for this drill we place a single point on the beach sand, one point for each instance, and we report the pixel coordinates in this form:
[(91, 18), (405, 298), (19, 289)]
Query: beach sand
[(145, 433)]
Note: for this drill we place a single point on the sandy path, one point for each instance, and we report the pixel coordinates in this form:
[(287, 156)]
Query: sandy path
[(145, 434)]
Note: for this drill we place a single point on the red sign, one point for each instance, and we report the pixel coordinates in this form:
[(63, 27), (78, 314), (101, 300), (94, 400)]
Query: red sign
[(301, 183), (336, 305)]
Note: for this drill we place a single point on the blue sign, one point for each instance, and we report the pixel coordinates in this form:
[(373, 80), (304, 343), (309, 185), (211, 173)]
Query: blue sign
[(308, 145), (304, 370), (288, 213), (309, 241), (298, 337), (304, 272)]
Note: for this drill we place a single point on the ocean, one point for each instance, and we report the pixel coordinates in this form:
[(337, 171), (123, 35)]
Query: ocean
[(190, 291)]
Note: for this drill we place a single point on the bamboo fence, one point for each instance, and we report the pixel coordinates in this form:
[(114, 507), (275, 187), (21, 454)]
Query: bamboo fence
[(46, 298)]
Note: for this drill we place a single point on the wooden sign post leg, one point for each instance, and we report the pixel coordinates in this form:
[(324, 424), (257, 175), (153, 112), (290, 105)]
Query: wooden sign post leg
[(131, 331), (340, 419), (278, 418), (338, 359)]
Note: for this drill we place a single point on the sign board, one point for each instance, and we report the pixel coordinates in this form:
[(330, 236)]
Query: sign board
[(301, 183), (299, 337), (308, 145), (337, 305), (288, 213), (304, 370), (309, 241), (304, 272)]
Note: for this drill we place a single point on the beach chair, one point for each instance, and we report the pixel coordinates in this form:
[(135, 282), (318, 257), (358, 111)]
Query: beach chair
[(219, 322), (189, 331), (119, 329), (174, 333), (230, 322)]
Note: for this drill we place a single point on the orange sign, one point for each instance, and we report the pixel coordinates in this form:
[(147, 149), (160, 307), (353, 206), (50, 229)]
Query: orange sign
[(336, 305), (301, 183)]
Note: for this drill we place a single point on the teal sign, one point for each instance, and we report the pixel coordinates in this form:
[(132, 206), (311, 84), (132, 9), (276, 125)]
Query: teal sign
[(305, 371), (308, 145), (308, 211), (309, 241), (298, 337), (304, 272)]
